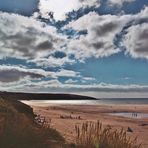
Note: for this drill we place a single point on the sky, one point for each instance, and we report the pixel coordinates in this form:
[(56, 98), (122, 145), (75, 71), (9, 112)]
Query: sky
[(97, 48)]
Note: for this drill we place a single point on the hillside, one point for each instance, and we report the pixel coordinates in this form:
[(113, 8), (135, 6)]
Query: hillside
[(18, 128), (43, 96)]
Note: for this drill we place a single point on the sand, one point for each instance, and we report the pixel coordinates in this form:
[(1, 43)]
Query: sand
[(93, 113)]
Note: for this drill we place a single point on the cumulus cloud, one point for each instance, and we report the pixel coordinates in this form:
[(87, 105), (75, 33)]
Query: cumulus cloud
[(20, 79), (136, 41), (120, 2), (60, 8), (67, 73), (102, 29), (101, 33), (53, 62), (26, 38), (71, 81), (24, 79), (9, 74)]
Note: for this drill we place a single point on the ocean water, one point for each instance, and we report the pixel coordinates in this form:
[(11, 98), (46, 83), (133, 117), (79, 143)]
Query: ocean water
[(112, 101), (131, 115), (137, 101)]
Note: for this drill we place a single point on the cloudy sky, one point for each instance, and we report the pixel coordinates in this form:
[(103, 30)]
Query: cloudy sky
[(91, 47)]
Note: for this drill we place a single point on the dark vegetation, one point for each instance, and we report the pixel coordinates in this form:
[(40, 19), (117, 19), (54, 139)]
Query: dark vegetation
[(18, 129), (43, 96)]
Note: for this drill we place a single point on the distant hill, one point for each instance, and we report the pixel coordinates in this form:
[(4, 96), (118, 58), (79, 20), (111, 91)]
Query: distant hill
[(42, 96)]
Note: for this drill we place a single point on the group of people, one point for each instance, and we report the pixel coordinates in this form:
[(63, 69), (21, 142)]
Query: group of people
[(134, 114)]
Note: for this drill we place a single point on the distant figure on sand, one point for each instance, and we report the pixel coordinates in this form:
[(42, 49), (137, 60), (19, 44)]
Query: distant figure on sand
[(134, 114)]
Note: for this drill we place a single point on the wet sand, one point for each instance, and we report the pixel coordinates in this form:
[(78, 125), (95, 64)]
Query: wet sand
[(82, 113)]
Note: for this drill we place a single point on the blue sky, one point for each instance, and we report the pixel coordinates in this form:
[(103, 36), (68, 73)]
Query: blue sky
[(97, 48)]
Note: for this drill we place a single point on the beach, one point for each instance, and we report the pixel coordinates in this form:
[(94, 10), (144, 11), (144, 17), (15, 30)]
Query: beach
[(64, 117)]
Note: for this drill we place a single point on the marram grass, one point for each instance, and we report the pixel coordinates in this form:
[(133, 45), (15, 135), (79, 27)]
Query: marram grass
[(93, 135)]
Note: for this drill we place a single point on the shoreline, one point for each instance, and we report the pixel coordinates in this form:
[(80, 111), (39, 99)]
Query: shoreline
[(82, 113)]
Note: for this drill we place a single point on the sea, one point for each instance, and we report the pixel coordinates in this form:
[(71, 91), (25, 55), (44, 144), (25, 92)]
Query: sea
[(104, 101)]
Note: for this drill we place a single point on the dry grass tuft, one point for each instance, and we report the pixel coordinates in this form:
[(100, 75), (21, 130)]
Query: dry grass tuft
[(93, 135)]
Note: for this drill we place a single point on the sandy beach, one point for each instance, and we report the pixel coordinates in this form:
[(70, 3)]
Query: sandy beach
[(65, 117)]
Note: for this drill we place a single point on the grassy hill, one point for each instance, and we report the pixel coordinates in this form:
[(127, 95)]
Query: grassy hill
[(43, 96), (18, 130)]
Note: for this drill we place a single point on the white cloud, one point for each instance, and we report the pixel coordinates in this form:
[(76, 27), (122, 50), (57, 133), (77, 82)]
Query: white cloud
[(26, 38), (25, 82), (99, 42), (101, 32), (56, 85), (71, 81), (15, 74), (143, 13), (52, 62), (9, 74), (89, 78), (120, 2), (136, 41), (61, 7), (67, 73)]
